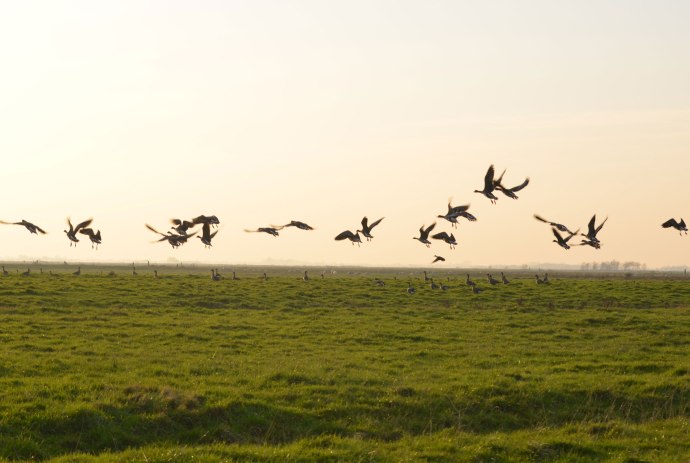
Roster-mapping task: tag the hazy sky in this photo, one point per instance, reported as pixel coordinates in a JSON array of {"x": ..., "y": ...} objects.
[{"x": 261, "y": 112}]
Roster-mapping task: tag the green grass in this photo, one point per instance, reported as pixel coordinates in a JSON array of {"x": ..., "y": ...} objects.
[{"x": 103, "y": 368}]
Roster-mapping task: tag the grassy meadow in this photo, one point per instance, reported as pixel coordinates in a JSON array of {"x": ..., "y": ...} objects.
[{"x": 114, "y": 367}]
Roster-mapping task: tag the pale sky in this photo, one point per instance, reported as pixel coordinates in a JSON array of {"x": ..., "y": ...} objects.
[{"x": 261, "y": 112}]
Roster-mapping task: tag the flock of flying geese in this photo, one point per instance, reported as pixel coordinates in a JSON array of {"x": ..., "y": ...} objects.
[{"x": 181, "y": 230}]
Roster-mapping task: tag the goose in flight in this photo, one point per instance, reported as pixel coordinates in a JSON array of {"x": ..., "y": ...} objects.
[
  {"x": 509, "y": 192},
  {"x": 174, "y": 240},
  {"x": 489, "y": 185},
  {"x": 562, "y": 242},
  {"x": 95, "y": 237},
  {"x": 348, "y": 235},
  {"x": 273, "y": 231},
  {"x": 680, "y": 226},
  {"x": 594, "y": 244},
  {"x": 424, "y": 234},
  {"x": 202, "y": 219},
  {"x": 438, "y": 259},
  {"x": 206, "y": 235},
  {"x": 72, "y": 232},
  {"x": 181, "y": 226},
  {"x": 298, "y": 224},
  {"x": 592, "y": 230},
  {"x": 367, "y": 227},
  {"x": 558, "y": 226},
  {"x": 29, "y": 226},
  {"x": 448, "y": 239},
  {"x": 461, "y": 211}
]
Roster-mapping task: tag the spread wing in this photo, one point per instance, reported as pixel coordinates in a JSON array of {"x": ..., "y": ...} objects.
[
  {"x": 521, "y": 186},
  {"x": 347, "y": 234},
  {"x": 669, "y": 223},
  {"x": 85, "y": 223},
  {"x": 372, "y": 225},
  {"x": 440, "y": 236},
  {"x": 489, "y": 179},
  {"x": 601, "y": 225}
]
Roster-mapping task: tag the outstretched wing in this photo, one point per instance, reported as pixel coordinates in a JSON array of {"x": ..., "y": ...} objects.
[
  {"x": 85, "y": 223},
  {"x": 669, "y": 223},
  {"x": 600, "y": 225},
  {"x": 557, "y": 235},
  {"x": 521, "y": 186},
  {"x": 40, "y": 230},
  {"x": 440, "y": 236},
  {"x": 155, "y": 231},
  {"x": 489, "y": 179},
  {"x": 344, "y": 235},
  {"x": 364, "y": 223},
  {"x": 541, "y": 219},
  {"x": 571, "y": 235},
  {"x": 458, "y": 209},
  {"x": 372, "y": 225},
  {"x": 429, "y": 228}
]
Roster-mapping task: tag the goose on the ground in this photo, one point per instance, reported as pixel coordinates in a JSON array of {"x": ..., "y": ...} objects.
[
  {"x": 546, "y": 278},
  {"x": 348, "y": 235},
  {"x": 426, "y": 277},
  {"x": 305, "y": 277},
  {"x": 214, "y": 275},
  {"x": 367, "y": 227},
  {"x": 34, "y": 229},
  {"x": 476, "y": 289},
  {"x": 558, "y": 226},
  {"x": 72, "y": 232},
  {"x": 539, "y": 280},
  {"x": 77, "y": 272},
  {"x": 433, "y": 285},
  {"x": 234, "y": 276},
  {"x": 680, "y": 226},
  {"x": 504, "y": 279},
  {"x": 492, "y": 281},
  {"x": 410, "y": 289},
  {"x": 27, "y": 273},
  {"x": 424, "y": 234},
  {"x": 489, "y": 185},
  {"x": 469, "y": 282}
]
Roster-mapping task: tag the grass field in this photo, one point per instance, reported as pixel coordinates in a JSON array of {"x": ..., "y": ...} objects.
[{"x": 104, "y": 368}]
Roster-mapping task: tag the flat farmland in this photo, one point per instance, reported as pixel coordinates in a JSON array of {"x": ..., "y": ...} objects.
[{"x": 107, "y": 367}]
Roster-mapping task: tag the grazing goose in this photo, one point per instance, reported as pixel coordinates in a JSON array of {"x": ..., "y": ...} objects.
[
  {"x": 29, "y": 226},
  {"x": 181, "y": 226},
  {"x": 438, "y": 259},
  {"x": 469, "y": 282},
  {"x": 72, "y": 232},
  {"x": 348, "y": 235},
  {"x": 366, "y": 228},
  {"x": 433, "y": 285},
  {"x": 174, "y": 240},
  {"x": 562, "y": 242},
  {"x": 95, "y": 237},
  {"x": 592, "y": 230},
  {"x": 444, "y": 287},
  {"x": 539, "y": 280},
  {"x": 509, "y": 192},
  {"x": 446, "y": 238},
  {"x": 298, "y": 224},
  {"x": 504, "y": 279},
  {"x": 379, "y": 282},
  {"x": 492, "y": 281},
  {"x": 410, "y": 289},
  {"x": 273, "y": 231},
  {"x": 558, "y": 226},
  {"x": 476, "y": 289},
  {"x": 489, "y": 185},
  {"x": 424, "y": 234},
  {"x": 680, "y": 226},
  {"x": 206, "y": 235}
]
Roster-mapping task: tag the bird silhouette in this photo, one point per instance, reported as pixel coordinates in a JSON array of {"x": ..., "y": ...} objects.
[
  {"x": 509, "y": 192},
  {"x": 95, "y": 237},
  {"x": 206, "y": 235},
  {"x": 348, "y": 235},
  {"x": 181, "y": 226},
  {"x": 34, "y": 229},
  {"x": 298, "y": 224},
  {"x": 446, "y": 238},
  {"x": 556, "y": 225},
  {"x": 72, "y": 232},
  {"x": 438, "y": 259},
  {"x": 273, "y": 231},
  {"x": 562, "y": 242},
  {"x": 366, "y": 228},
  {"x": 424, "y": 234},
  {"x": 489, "y": 185},
  {"x": 592, "y": 231},
  {"x": 680, "y": 226},
  {"x": 173, "y": 239}
]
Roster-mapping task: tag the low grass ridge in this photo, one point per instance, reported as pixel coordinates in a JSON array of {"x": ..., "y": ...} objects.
[{"x": 181, "y": 368}]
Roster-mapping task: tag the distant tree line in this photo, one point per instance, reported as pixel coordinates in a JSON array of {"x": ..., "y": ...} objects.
[{"x": 613, "y": 266}]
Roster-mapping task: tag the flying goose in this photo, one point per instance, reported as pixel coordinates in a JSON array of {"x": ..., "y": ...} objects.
[
  {"x": 489, "y": 185},
  {"x": 559, "y": 226},
  {"x": 461, "y": 211},
  {"x": 202, "y": 219},
  {"x": 181, "y": 226},
  {"x": 509, "y": 192},
  {"x": 446, "y": 238},
  {"x": 424, "y": 234},
  {"x": 95, "y": 237},
  {"x": 594, "y": 244},
  {"x": 562, "y": 242},
  {"x": 366, "y": 228},
  {"x": 680, "y": 226},
  {"x": 592, "y": 230},
  {"x": 438, "y": 259},
  {"x": 206, "y": 235},
  {"x": 174, "y": 240},
  {"x": 348, "y": 235},
  {"x": 72, "y": 232},
  {"x": 298, "y": 224},
  {"x": 29, "y": 226},
  {"x": 273, "y": 231}
]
